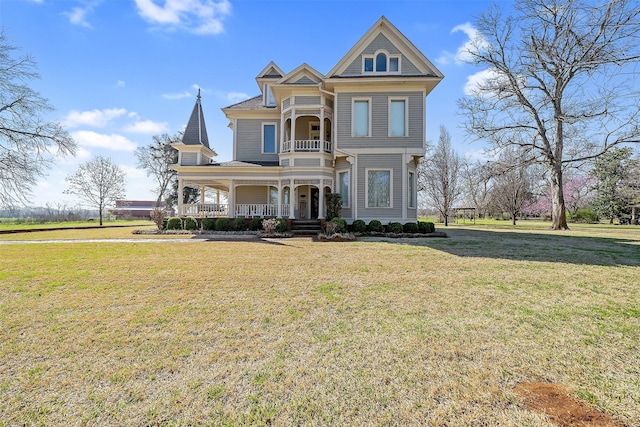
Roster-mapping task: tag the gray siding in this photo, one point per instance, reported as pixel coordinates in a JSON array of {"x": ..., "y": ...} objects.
[
  {"x": 249, "y": 140},
  {"x": 306, "y": 162},
  {"x": 380, "y": 161},
  {"x": 189, "y": 159},
  {"x": 381, "y": 42},
  {"x": 380, "y": 121},
  {"x": 251, "y": 194},
  {"x": 305, "y": 80},
  {"x": 307, "y": 100}
]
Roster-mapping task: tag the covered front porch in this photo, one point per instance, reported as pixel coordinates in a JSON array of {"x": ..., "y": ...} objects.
[{"x": 250, "y": 199}]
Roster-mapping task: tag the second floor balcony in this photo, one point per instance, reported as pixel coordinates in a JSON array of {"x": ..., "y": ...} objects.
[{"x": 306, "y": 146}]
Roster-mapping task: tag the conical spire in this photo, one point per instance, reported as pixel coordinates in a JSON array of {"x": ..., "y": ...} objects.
[{"x": 196, "y": 131}]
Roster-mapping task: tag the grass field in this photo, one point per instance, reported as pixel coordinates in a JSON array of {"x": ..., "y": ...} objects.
[{"x": 295, "y": 332}]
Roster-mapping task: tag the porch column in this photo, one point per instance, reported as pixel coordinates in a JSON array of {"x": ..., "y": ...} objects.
[
  {"x": 202, "y": 194},
  {"x": 321, "y": 150},
  {"x": 321, "y": 197},
  {"x": 292, "y": 197},
  {"x": 180, "y": 196},
  {"x": 218, "y": 197},
  {"x": 232, "y": 200},
  {"x": 293, "y": 131},
  {"x": 280, "y": 199}
]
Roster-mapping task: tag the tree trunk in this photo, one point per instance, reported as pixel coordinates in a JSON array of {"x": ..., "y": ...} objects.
[
  {"x": 558, "y": 213},
  {"x": 513, "y": 219}
]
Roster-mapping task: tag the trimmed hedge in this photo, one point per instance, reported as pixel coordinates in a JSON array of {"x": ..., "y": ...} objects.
[
  {"x": 209, "y": 224},
  {"x": 239, "y": 224},
  {"x": 190, "y": 223},
  {"x": 410, "y": 227},
  {"x": 174, "y": 223},
  {"x": 395, "y": 228},
  {"x": 375, "y": 226},
  {"x": 426, "y": 227},
  {"x": 282, "y": 225},
  {"x": 255, "y": 224},
  {"x": 359, "y": 226},
  {"x": 223, "y": 224},
  {"x": 341, "y": 225}
]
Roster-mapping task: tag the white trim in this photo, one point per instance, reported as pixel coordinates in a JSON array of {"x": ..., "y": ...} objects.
[
  {"x": 374, "y": 57},
  {"x": 369, "y": 108},
  {"x": 275, "y": 137},
  {"x": 366, "y": 185},
  {"x": 265, "y": 96},
  {"x": 405, "y": 99},
  {"x": 413, "y": 195}
]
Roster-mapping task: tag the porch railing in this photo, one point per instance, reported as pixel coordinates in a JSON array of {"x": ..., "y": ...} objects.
[
  {"x": 212, "y": 210},
  {"x": 306, "y": 146}
]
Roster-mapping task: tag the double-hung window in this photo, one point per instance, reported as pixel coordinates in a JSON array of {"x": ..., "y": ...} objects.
[
  {"x": 269, "y": 138},
  {"x": 343, "y": 187},
  {"x": 379, "y": 188},
  {"x": 398, "y": 117},
  {"x": 361, "y": 117}
]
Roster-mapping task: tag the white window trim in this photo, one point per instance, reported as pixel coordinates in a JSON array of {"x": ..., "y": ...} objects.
[
  {"x": 353, "y": 128},
  {"x": 348, "y": 172},
  {"x": 275, "y": 136},
  {"x": 267, "y": 89},
  {"x": 406, "y": 116},
  {"x": 389, "y": 57},
  {"x": 410, "y": 196},
  {"x": 366, "y": 184}
]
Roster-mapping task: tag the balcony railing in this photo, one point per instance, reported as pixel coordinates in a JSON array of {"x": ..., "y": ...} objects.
[
  {"x": 307, "y": 146},
  {"x": 212, "y": 210}
]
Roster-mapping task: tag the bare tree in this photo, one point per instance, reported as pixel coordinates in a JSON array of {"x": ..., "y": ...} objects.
[
  {"x": 476, "y": 183},
  {"x": 559, "y": 82},
  {"x": 156, "y": 158},
  {"x": 28, "y": 142},
  {"x": 512, "y": 183},
  {"x": 438, "y": 175},
  {"x": 97, "y": 182}
]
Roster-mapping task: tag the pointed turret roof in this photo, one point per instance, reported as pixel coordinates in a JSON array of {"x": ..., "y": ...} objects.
[{"x": 196, "y": 131}]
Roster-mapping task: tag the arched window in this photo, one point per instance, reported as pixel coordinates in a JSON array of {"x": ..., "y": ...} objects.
[{"x": 381, "y": 62}]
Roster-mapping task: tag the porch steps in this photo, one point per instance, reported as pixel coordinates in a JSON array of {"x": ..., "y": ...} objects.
[{"x": 305, "y": 227}]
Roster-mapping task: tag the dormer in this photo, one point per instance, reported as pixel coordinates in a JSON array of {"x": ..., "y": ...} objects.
[
  {"x": 194, "y": 148},
  {"x": 265, "y": 80}
]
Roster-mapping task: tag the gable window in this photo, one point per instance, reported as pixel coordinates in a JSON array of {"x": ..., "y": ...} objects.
[
  {"x": 412, "y": 190},
  {"x": 343, "y": 187},
  {"x": 269, "y": 138},
  {"x": 381, "y": 62},
  {"x": 397, "y": 117},
  {"x": 378, "y": 188},
  {"x": 361, "y": 119},
  {"x": 269, "y": 100}
]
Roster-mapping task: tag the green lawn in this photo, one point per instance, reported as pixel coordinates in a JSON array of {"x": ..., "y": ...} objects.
[
  {"x": 16, "y": 224},
  {"x": 294, "y": 332}
]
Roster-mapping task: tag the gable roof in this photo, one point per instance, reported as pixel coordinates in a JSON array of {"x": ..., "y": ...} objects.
[
  {"x": 196, "y": 132},
  {"x": 270, "y": 71},
  {"x": 303, "y": 74},
  {"x": 404, "y": 45}
]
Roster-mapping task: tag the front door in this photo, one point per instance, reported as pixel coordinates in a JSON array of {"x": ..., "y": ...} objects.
[{"x": 315, "y": 193}]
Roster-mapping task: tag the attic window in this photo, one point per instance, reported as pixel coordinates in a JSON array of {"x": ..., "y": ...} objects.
[
  {"x": 269, "y": 100},
  {"x": 381, "y": 62}
]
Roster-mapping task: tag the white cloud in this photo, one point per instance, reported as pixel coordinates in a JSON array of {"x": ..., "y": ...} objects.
[
  {"x": 87, "y": 138},
  {"x": 474, "y": 41},
  {"x": 147, "y": 127},
  {"x": 94, "y": 118},
  {"x": 198, "y": 16},
  {"x": 173, "y": 96},
  {"x": 120, "y": 83},
  {"x": 475, "y": 81}
]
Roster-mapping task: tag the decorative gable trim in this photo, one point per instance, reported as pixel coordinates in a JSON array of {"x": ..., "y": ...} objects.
[{"x": 303, "y": 74}]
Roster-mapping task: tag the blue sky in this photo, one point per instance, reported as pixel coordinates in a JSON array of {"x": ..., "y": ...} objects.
[{"x": 120, "y": 71}]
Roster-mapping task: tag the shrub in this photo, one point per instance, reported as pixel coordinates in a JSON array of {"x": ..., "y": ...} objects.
[
  {"x": 395, "y": 228},
  {"x": 341, "y": 225},
  {"x": 334, "y": 205},
  {"x": 190, "y": 223},
  {"x": 209, "y": 224},
  {"x": 359, "y": 226},
  {"x": 255, "y": 224},
  {"x": 426, "y": 227},
  {"x": 270, "y": 225},
  {"x": 174, "y": 223},
  {"x": 282, "y": 225},
  {"x": 157, "y": 216},
  {"x": 584, "y": 216},
  {"x": 410, "y": 227},
  {"x": 165, "y": 220},
  {"x": 223, "y": 224},
  {"x": 240, "y": 224},
  {"x": 375, "y": 226},
  {"x": 330, "y": 228}
]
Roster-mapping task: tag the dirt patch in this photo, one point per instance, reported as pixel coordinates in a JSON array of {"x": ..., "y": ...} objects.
[{"x": 554, "y": 401}]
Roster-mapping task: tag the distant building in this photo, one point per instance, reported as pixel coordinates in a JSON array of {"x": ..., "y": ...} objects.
[{"x": 137, "y": 209}]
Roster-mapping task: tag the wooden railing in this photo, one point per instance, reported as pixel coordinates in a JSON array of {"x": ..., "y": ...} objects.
[
  {"x": 306, "y": 146},
  {"x": 212, "y": 210}
]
